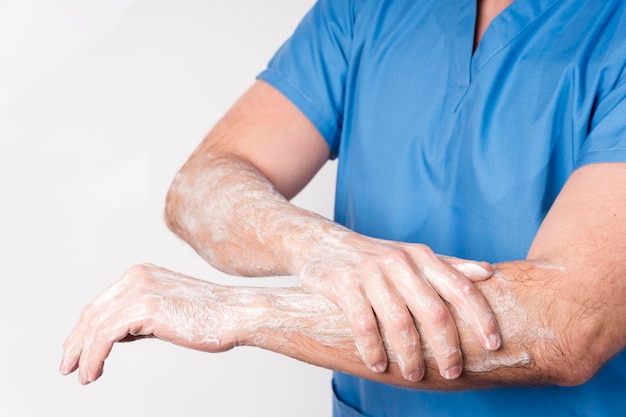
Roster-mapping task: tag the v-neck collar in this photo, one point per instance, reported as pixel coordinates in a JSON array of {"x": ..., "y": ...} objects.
[{"x": 505, "y": 27}]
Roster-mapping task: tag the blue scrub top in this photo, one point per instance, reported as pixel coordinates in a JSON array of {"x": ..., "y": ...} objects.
[{"x": 462, "y": 150}]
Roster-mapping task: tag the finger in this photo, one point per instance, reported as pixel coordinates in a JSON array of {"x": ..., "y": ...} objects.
[
  {"x": 91, "y": 365},
  {"x": 72, "y": 347},
  {"x": 467, "y": 299},
  {"x": 399, "y": 329},
  {"x": 91, "y": 361},
  {"x": 71, "y": 353},
  {"x": 439, "y": 329},
  {"x": 364, "y": 327},
  {"x": 98, "y": 347},
  {"x": 473, "y": 270}
]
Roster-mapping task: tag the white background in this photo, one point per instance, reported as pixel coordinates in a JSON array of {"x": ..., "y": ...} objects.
[{"x": 100, "y": 104}]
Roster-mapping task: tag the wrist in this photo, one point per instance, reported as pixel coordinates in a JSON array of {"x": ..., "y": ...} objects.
[
  {"x": 322, "y": 245},
  {"x": 272, "y": 319},
  {"x": 248, "y": 314}
]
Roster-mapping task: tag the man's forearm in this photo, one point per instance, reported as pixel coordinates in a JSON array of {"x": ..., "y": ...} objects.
[
  {"x": 235, "y": 219},
  {"x": 305, "y": 326},
  {"x": 151, "y": 301},
  {"x": 547, "y": 337}
]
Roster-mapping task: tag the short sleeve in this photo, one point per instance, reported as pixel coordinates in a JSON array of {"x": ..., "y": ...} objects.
[
  {"x": 606, "y": 141},
  {"x": 310, "y": 68}
]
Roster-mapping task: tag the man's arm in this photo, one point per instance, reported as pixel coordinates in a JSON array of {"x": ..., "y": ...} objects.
[
  {"x": 584, "y": 238},
  {"x": 561, "y": 311},
  {"x": 562, "y": 314},
  {"x": 230, "y": 203},
  {"x": 149, "y": 301},
  {"x": 569, "y": 293}
]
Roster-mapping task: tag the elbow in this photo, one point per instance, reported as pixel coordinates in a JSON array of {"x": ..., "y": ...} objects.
[
  {"x": 170, "y": 213},
  {"x": 574, "y": 371},
  {"x": 562, "y": 368},
  {"x": 581, "y": 354},
  {"x": 175, "y": 202},
  {"x": 185, "y": 218}
]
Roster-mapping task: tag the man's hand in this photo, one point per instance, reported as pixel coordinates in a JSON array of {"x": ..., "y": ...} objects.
[
  {"x": 388, "y": 283},
  {"x": 148, "y": 301}
]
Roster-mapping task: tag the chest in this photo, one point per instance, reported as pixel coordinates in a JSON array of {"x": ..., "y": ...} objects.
[
  {"x": 433, "y": 129},
  {"x": 426, "y": 89}
]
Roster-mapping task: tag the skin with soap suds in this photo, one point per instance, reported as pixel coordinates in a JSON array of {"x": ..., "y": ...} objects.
[
  {"x": 561, "y": 311},
  {"x": 557, "y": 327},
  {"x": 562, "y": 306},
  {"x": 570, "y": 280},
  {"x": 151, "y": 301},
  {"x": 249, "y": 228}
]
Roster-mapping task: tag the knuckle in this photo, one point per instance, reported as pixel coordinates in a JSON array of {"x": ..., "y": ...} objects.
[
  {"x": 395, "y": 257},
  {"x": 347, "y": 300},
  {"x": 370, "y": 267},
  {"x": 467, "y": 290},
  {"x": 402, "y": 322},
  {"x": 423, "y": 250},
  {"x": 138, "y": 272},
  {"x": 101, "y": 334},
  {"x": 366, "y": 327},
  {"x": 137, "y": 277},
  {"x": 439, "y": 314},
  {"x": 86, "y": 312}
]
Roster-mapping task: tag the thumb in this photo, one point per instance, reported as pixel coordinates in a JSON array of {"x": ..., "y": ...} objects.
[{"x": 474, "y": 270}]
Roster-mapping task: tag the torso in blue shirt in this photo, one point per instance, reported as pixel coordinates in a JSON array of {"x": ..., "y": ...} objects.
[{"x": 464, "y": 151}]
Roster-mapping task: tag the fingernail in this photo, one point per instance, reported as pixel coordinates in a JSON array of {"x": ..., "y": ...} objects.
[
  {"x": 493, "y": 342},
  {"x": 64, "y": 368},
  {"x": 473, "y": 269},
  {"x": 452, "y": 373},
  {"x": 416, "y": 375},
  {"x": 94, "y": 376},
  {"x": 380, "y": 367}
]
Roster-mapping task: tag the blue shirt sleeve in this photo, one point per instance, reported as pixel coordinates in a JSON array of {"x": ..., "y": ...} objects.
[
  {"x": 606, "y": 141},
  {"x": 310, "y": 68}
]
